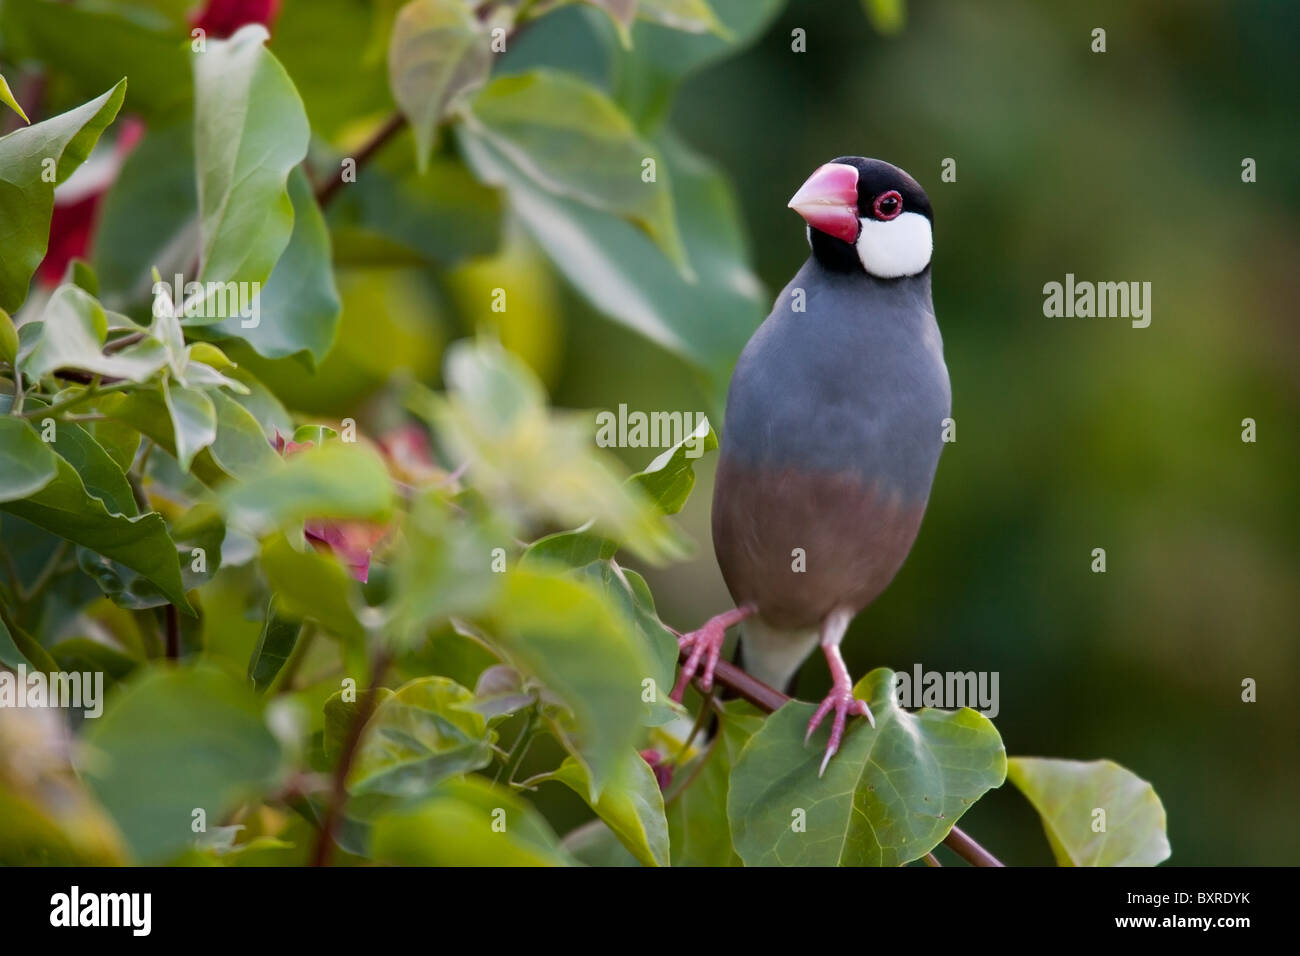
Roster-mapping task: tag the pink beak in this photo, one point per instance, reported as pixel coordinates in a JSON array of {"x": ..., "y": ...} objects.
[{"x": 828, "y": 201}]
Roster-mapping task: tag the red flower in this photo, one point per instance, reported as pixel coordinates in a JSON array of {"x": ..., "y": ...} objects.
[
  {"x": 663, "y": 771},
  {"x": 220, "y": 18},
  {"x": 76, "y": 203},
  {"x": 352, "y": 542}
]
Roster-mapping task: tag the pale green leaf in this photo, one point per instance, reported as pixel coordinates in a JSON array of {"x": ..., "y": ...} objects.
[
  {"x": 438, "y": 52},
  {"x": 1068, "y": 795},
  {"x": 250, "y": 131}
]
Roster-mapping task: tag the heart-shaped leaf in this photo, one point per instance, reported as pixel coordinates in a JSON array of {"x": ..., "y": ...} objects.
[
  {"x": 632, "y": 805},
  {"x": 889, "y": 796}
]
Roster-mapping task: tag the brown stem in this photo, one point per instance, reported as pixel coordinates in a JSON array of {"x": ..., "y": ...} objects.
[
  {"x": 392, "y": 126},
  {"x": 339, "y": 790},
  {"x": 769, "y": 699},
  {"x": 173, "y": 633}
]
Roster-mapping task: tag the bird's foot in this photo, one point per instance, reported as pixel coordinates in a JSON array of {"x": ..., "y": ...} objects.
[
  {"x": 705, "y": 645},
  {"x": 845, "y": 705}
]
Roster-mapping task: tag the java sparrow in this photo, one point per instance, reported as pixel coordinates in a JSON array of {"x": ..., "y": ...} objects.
[{"x": 832, "y": 435}]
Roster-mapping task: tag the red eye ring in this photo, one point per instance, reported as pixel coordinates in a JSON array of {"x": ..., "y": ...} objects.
[{"x": 888, "y": 205}]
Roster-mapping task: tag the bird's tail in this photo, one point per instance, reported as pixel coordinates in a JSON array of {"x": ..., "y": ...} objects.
[{"x": 774, "y": 655}]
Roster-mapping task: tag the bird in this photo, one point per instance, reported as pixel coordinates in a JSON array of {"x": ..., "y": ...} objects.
[{"x": 831, "y": 438}]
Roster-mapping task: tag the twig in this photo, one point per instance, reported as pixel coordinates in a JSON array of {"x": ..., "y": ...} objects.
[
  {"x": 769, "y": 699},
  {"x": 90, "y": 393},
  {"x": 173, "y": 632},
  {"x": 392, "y": 126},
  {"x": 339, "y": 791}
]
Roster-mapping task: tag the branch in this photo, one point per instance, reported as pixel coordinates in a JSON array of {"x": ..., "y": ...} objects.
[
  {"x": 339, "y": 791},
  {"x": 392, "y": 126},
  {"x": 769, "y": 699}
]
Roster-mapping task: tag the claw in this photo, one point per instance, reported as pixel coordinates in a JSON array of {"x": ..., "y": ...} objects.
[
  {"x": 705, "y": 645},
  {"x": 845, "y": 705}
]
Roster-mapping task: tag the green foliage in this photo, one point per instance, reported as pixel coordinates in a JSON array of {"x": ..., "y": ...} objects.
[
  {"x": 889, "y": 796},
  {"x": 289, "y": 610},
  {"x": 27, "y": 190}
]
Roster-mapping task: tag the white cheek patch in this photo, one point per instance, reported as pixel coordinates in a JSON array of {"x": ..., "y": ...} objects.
[{"x": 899, "y": 247}]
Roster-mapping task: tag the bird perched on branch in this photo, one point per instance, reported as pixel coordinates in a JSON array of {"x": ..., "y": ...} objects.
[{"x": 832, "y": 435}]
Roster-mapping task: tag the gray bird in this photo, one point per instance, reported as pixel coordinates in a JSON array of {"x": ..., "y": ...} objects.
[{"x": 832, "y": 434}]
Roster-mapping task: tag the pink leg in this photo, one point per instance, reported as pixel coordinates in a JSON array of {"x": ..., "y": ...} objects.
[
  {"x": 840, "y": 699},
  {"x": 706, "y": 644}
]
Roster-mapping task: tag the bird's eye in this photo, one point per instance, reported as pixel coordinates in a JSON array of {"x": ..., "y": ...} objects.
[{"x": 888, "y": 205}]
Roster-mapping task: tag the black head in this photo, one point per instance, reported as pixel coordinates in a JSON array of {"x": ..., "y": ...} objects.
[{"x": 867, "y": 215}]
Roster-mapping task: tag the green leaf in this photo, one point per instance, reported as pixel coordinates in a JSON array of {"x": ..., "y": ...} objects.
[
  {"x": 573, "y": 549},
  {"x": 568, "y": 636},
  {"x": 307, "y": 584},
  {"x": 71, "y": 333},
  {"x": 467, "y": 822},
  {"x": 275, "y": 644},
  {"x": 7, "y": 98},
  {"x": 174, "y": 742},
  {"x": 250, "y": 131},
  {"x": 495, "y": 419},
  {"x": 64, "y": 507},
  {"x": 568, "y": 139},
  {"x": 335, "y": 480},
  {"x": 101, "y": 475},
  {"x": 26, "y": 463},
  {"x": 423, "y": 734},
  {"x": 629, "y": 592},
  {"x": 670, "y": 478},
  {"x": 1067, "y": 795},
  {"x": 299, "y": 309},
  {"x": 615, "y": 266},
  {"x": 240, "y": 448},
  {"x": 199, "y": 528},
  {"x": 889, "y": 796},
  {"x": 27, "y": 198},
  {"x": 631, "y": 805},
  {"x": 194, "y": 421},
  {"x": 438, "y": 52}
]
